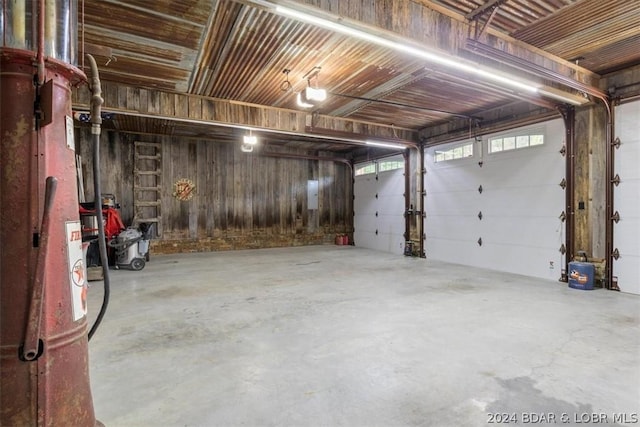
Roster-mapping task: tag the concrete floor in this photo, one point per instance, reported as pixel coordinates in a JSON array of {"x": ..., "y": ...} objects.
[{"x": 341, "y": 336}]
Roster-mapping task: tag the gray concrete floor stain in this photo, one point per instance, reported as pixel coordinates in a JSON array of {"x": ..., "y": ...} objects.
[
  {"x": 540, "y": 409},
  {"x": 341, "y": 336}
]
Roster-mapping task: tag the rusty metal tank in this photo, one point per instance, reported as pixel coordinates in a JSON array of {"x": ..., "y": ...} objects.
[{"x": 43, "y": 322}]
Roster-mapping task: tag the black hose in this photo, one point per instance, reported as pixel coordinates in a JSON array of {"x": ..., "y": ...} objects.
[
  {"x": 122, "y": 248},
  {"x": 96, "y": 121}
]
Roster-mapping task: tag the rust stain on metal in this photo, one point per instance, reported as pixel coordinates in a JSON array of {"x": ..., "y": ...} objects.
[{"x": 13, "y": 140}]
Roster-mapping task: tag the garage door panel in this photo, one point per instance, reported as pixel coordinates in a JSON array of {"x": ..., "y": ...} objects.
[
  {"x": 449, "y": 178},
  {"x": 365, "y": 240},
  {"x": 390, "y": 241},
  {"x": 525, "y": 201},
  {"x": 365, "y": 187},
  {"x": 627, "y": 159},
  {"x": 394, "y": 221},
  {"x": 628, "y": 192},
  {"x": 452, "y": 250},
  {"x": 521, "y": 202},
  {"x": 626, "y": 268},
  {"x": 627, "y": 121},
  {"x": 390, "y": 182},
  {"x": 460, "y": 228},
  {"x": 391, "y": 205},
  {"x": 626, "y": 233},
  {"x": 453, "y": 203},
  {"x": 537, "y": 232},
  {"x": 523, "y": 171},
  {"x": 527, "y": 260},
  {"x": 388, "y": 205},
  {"x": 366, "y": 222},
  {"x": 627, "y": 239}
]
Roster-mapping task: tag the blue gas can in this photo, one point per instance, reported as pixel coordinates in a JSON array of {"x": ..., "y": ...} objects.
[{"x": 581, "y": 275}]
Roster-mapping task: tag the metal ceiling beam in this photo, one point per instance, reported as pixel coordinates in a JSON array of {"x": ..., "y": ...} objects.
[{"x": 480, "y": 10}]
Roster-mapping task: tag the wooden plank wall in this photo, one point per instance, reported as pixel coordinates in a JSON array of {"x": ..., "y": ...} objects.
[{"x": 242, "y": 200}]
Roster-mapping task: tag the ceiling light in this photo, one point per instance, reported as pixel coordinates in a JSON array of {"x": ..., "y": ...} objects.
[
  {"x": 386, "y": 145},
  {"x": 312, "y": 94},
  {"x": 250, "y": 139},
  {"x": 301, "y": 102},
  {"x": 246, "y": 148}
]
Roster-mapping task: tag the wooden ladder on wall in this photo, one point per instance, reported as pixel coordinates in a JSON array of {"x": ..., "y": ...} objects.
[{"x": 147, "y": 185}]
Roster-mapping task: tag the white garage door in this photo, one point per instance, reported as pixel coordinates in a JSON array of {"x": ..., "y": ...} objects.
[
  {"x": 379, "y": 211},
  {"x": 505, "y": 214},
  {"x": 626, "y": 233}
]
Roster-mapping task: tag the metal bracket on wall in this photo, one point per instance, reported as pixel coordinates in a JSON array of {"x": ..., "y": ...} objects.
[
  {"x": 616, "y": 143},
  {"x": 616, "y": 254},
  {"x": 376, "y": 194},
  {"x": 480, "y": 215},
  {"x": 563, "y": 150},
  {"x": 376, "y": 232},
  {"x": 616, "y": 180},
  {"x": 616, "y": 217},
  {"x": 563, "y": 249},
  {"x": 480, "y": 189},
  {"x": 563, "y": 216},
  {"x": 563, "y": 183},
  {"x": 376, "y": 213},
  {"x": 480, "y": 241}
]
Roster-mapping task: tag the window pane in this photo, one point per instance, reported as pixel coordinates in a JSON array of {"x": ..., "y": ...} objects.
[
  {"x": 496, "y": 145},
  {"x": 439, "y": 156},
  {"x": 522, "y": 141},
  {"x": 389, "y": 165},
  {"x": 509, "y": 143},
  {"x": 536, "y": 140},
  {"x": 468, "y": 150},
  {"x": 457, "y": 153},
  {"x": 366, "y": 169}
]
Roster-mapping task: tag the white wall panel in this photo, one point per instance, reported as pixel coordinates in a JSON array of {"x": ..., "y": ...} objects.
[
  {"x": 389, "y": 207},
  {"x": 626, "y": 233},
  {"x": 521, "y": 202}
]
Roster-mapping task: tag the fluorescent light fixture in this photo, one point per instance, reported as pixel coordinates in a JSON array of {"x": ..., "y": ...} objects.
[
  {"x": 386, "y": 145},
  {"x": 450, "y": 62},
  {"x": 447, "y": 61},
  {"x": 301, "y": 102},
  {"x": 246, "y": 148},
  {"x": 250, "y": 139},
  {"x": 562, "y": 96}
]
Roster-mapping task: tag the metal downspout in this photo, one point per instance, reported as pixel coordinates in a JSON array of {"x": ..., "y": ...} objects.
[
  {"x": 422, "y": 172},
  {"x": 407, "y": 196},
  {"x": 610, "y": 172},
  {"x": 569, "y": 115}
]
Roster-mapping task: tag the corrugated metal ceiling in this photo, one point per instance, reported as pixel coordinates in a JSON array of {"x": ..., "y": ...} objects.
[{"x": 232, "y": 50}]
